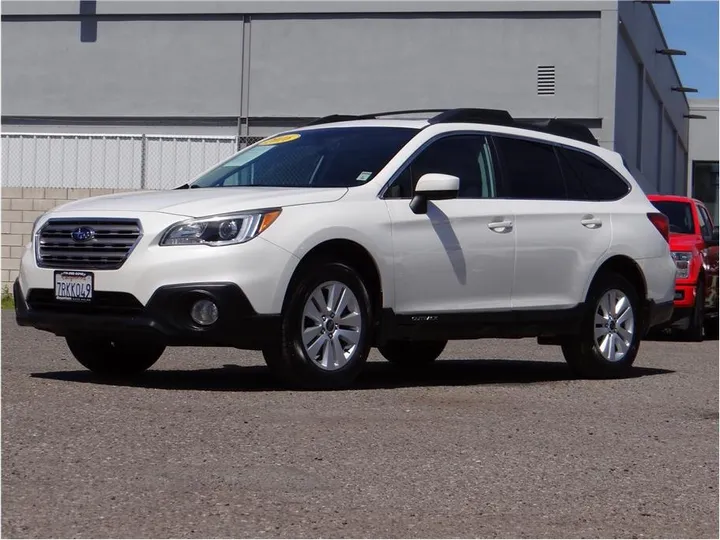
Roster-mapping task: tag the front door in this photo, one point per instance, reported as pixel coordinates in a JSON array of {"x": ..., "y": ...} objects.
[{"x": 459, "y": 257}]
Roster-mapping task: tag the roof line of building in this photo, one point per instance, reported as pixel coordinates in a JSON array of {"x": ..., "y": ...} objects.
[{"x": 259, "y": 7}]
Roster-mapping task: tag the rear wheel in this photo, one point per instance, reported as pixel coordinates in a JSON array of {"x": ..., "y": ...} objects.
[
  {"x": 114, "y": 358},
  {"x": 325, "y": 337},
  {"x": 609, "y": 337},
  {"x": 412, "y": 353}
]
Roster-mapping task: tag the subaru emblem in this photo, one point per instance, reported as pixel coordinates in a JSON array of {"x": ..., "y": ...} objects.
[{"x": 83, "y": 234}]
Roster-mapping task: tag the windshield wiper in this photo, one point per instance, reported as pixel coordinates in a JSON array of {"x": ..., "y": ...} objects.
[{"x": 187, "y": 186}]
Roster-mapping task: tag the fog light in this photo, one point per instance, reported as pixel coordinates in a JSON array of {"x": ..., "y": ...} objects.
[{"x": 204, "y": 312}]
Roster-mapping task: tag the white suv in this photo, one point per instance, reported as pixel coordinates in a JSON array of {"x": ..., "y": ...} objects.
[{"x": 317, "y": 244}]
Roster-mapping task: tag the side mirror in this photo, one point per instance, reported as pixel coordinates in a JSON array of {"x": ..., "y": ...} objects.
[
  {"x": 433, "y": 187},
  {"x": 713, "y": 242}
]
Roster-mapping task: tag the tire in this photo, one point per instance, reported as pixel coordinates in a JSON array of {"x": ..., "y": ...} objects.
[
  {"x": 111, "y": 358},
  {"x": 583, "y": 352},
  {"x": 711, "y": 328},
  {"x": 412, "y": 353},
  {"x": 696, "y": 327},
  {"x": 313, "y": 353}
]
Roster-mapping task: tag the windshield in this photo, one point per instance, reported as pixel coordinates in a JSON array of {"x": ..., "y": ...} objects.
[
  {"x": 679, "y": 214},
  {"x": 332, "y": 157}
]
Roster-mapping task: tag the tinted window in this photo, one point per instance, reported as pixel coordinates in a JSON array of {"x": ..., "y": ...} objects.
[
  {"x": 705, "y": 226},
  {"x": 679, "y": 214},
  {"x": 708, "y": 219},
  {"x": 468, "y": 157},
  {"x": 331, "y": 157},
  {"x": 530, "y": 170},
  {"x": 588, "y": 178}
]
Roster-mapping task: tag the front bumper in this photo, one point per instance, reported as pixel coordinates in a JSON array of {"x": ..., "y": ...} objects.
[
  {"x": 165, "y": 318},
  {"x": 685, "y": 295},
  {"x": 262, "y": 269}
]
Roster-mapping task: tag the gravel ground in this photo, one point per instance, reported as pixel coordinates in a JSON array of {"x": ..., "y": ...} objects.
[{"x": 511, "y": 445}]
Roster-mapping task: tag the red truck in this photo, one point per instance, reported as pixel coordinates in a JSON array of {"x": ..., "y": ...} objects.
[{"x": 694, "y": 246}]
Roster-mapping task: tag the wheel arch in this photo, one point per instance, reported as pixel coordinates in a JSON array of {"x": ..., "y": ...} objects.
[
  {"x": 626, "y": 267},
  {"x": 349, "y": 252}
]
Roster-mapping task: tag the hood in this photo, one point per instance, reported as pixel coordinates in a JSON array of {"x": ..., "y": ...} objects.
[{"x": 205, "y": 201}]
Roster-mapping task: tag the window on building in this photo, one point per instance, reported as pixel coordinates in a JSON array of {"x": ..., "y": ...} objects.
[
  {"x": 705, "y": 185},
  {"x": 530, "y": 170},
  {"x": 468, "y": 157}
]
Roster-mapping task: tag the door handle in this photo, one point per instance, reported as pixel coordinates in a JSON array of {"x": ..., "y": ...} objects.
[
  {"x": 591, "y": 222},
  {"x": 500, "y": 226}
]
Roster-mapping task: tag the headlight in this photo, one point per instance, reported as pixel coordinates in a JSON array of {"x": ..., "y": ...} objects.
[
  {"x": 219, "y": 230},
  {"x": 682, "y": 263},
  {"x": 34, "y": 231}
]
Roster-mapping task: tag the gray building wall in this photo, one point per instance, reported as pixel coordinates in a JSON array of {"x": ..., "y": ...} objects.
[
  {"x": 651, "y": 130},
  {"x": 219, "y": 67},
  {"x": 704, "y": 139}
]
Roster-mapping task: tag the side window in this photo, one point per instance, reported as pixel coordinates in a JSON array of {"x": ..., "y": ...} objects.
[
  {"x": 588, "y": 178},
  {"x": 705, "y": 222},
  {"x": 468, "y": 157},
  {"x": 530, "y": 170}
]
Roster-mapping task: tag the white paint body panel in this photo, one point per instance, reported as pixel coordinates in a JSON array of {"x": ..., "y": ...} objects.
[
  {"x": 448, "y": 260},
  {"x": 555, "y": 251}
]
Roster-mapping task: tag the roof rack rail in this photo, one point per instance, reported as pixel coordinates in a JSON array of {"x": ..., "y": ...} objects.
[
  {"x": 561, "y": 128},
  {"x": 408, "y": 111},
  {"x": 345, "y": 117},
  {"x": 474, "y": 116},
  {"x": 498, "y": 117},
  {"x": 332, "y": 118}
]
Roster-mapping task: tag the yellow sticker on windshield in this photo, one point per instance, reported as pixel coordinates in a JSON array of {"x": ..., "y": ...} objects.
[{"x": 280, "y": 139}]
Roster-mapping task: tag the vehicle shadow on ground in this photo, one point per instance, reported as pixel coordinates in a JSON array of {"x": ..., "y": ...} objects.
[
  {"x": 377, "y": 375},
  {"x": 675, "y": 337}
]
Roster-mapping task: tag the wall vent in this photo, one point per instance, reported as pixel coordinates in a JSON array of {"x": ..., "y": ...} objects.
[{"x": 546, "y": 80}]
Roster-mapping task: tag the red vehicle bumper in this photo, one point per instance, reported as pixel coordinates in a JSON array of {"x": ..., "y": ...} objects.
[{"x": 684, "y": 295}]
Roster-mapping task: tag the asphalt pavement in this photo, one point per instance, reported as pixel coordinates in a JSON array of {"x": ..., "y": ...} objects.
[{"x": 496, "y": 440}]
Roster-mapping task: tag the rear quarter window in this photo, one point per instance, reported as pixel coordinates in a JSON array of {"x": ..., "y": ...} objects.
[{"x": 588, "y": 178}]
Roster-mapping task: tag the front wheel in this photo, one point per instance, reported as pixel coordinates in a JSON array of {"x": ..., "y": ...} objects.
[
  {"x": 325, "y": 336},
  {"x": 114, "y": 358},
  {"x": 609, "y": 337},
  {"x": 412, "y": 353}
]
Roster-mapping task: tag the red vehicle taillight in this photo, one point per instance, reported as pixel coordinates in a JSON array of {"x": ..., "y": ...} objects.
[{"x": 661, "y": 224}]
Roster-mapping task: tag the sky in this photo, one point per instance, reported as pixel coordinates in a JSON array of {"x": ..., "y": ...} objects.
[{"x": 692, "y": 25}]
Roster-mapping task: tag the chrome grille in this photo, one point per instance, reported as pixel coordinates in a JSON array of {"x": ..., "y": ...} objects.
[{"x": 110, "y": 246}]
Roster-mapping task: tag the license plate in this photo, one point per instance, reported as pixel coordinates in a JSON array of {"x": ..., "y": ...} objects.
[{"x": 74, "y": 286}]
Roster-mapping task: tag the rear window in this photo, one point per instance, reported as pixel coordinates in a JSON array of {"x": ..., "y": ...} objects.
[{"x": 679, "y": 214}]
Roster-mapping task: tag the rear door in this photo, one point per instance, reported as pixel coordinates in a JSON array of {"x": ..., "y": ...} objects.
[{"x": 560, "y": 234}]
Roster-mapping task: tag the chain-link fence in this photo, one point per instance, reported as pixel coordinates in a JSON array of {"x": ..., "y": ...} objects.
[{"x": 110, "y": 161}]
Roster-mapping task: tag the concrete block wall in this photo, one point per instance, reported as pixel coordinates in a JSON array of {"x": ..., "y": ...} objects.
[{"x": 20, "y": 208}]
